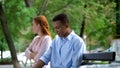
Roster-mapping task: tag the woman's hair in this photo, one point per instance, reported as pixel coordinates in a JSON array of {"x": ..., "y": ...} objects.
[{"x": 42, "y": 21}]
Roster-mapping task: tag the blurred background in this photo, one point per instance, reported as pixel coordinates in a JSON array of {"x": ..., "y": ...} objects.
[{"x": 96, "y": 21}]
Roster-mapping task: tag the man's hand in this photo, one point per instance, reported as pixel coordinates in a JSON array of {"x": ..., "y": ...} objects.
[{"x": 39, "y": 64}]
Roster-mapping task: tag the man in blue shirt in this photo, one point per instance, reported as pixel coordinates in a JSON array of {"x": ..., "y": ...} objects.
[{"x": 66, "y": 49}]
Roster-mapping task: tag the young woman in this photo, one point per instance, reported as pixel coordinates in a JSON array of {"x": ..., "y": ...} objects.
[{"x": 41, "y": 41}]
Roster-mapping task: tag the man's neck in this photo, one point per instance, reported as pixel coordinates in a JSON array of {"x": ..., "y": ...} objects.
[{"x": 67, "y": 33}]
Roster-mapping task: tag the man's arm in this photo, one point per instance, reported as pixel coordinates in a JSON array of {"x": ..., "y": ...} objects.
[
  {"x": 39, "y": 64},
  {"x": 79, "y": 49}
]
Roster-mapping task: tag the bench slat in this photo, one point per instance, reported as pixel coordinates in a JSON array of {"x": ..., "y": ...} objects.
[
  {"x": 100, "y": 56},
  {"x": 103, "y": 56}
]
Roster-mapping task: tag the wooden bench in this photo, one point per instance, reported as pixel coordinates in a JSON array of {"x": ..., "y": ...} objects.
[{"x": 89, "y": 58}]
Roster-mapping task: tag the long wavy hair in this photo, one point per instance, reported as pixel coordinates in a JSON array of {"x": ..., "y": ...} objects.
[{"x": 42, "y": 21}]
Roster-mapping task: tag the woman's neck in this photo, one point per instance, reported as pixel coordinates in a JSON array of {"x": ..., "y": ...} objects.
[{"x": 40, "y": 34}]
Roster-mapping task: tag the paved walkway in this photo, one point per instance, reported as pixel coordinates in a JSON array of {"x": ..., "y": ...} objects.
[
  {"x": 23, "y": 61},
  {"x": 6, "y": 66},
  {"x": 11, "y": 66},
  {"x": 22, "y": 65}
]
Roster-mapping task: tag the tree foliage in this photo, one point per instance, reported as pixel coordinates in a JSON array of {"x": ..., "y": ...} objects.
[{"x": 99, "y": 19}]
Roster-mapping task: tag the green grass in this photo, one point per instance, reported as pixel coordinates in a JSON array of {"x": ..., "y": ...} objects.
[
  {"x": 100, "y": 62},
  {"x": 6, "y": 61}
]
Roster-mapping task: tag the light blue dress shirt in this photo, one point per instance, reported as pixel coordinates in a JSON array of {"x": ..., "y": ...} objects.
[{"x": 65, "y": 52}]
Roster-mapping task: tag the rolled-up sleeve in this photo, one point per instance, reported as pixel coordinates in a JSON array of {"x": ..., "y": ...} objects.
[{"x": 46, "y": 56}]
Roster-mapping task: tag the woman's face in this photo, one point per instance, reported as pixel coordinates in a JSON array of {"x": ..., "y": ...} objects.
[{"x": 35, "y": 27}]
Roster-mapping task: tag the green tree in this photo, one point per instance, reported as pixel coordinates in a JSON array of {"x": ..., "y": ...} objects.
[
  {"x": 99, "y": 19},
  {"x": 8, "y": 37}
]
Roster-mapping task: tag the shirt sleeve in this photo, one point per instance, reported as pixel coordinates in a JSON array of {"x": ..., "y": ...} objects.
[
  {"x": 29, "y": 48},
  {"x": 79, "y": 49},
  {"x": 44, "y": 46},
  {"x": 47, "y": 55},
  {"x": 27, "y": 53}
]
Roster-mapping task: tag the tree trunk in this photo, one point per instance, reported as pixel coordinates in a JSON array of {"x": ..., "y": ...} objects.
[
  {"x": 8, "y": 37},
  {"x": 28, "y": 3},
  {"x": 1, "y": 48},
  {"x": 43, "y": 7},
  {"x": 117, "y": 19},
  {"x": 83, "y": 24},
  {"x": 116, "y": 42},
  {"x": 82, "y": 28}
]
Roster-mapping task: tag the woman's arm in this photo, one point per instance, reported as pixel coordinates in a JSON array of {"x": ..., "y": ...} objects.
[
  {"x": 27, "y": 53},
  {"x": 28, "y": 50},
  {"x": 43, "y": 47}
]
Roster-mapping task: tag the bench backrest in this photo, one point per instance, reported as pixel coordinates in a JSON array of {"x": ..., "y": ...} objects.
[{"x": 100, "y": 56}]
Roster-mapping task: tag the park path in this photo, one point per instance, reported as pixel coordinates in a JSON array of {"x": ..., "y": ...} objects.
[
  {"x": 24, "y": 63},
  {"x": 11, "y": 66}
]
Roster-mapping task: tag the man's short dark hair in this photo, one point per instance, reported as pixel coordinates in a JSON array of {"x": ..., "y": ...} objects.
[{"x": 62, "y": 18}]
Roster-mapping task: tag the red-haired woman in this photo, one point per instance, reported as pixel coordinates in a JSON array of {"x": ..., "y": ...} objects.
[{"x": 42, "y": 41}]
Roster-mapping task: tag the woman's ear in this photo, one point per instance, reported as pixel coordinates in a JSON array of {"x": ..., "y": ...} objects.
[{"x": 38, "y": 25}]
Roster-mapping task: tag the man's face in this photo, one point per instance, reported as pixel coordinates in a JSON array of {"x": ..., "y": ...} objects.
[{"x": 59, "y": 28}]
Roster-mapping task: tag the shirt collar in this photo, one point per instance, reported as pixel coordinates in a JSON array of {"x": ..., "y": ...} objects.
[{"x": 69, "y": 37}]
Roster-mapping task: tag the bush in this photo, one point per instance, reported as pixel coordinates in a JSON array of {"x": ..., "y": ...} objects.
[{"x": 6, "y": 61}]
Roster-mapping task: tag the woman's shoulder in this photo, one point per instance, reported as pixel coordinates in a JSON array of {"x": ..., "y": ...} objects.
[
  {"x": 47, "y": 37},
  {"x": 36, "y": 37}
]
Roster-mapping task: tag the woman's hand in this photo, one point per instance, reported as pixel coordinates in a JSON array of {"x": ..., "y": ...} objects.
[{"x": 32, "y": 55}]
